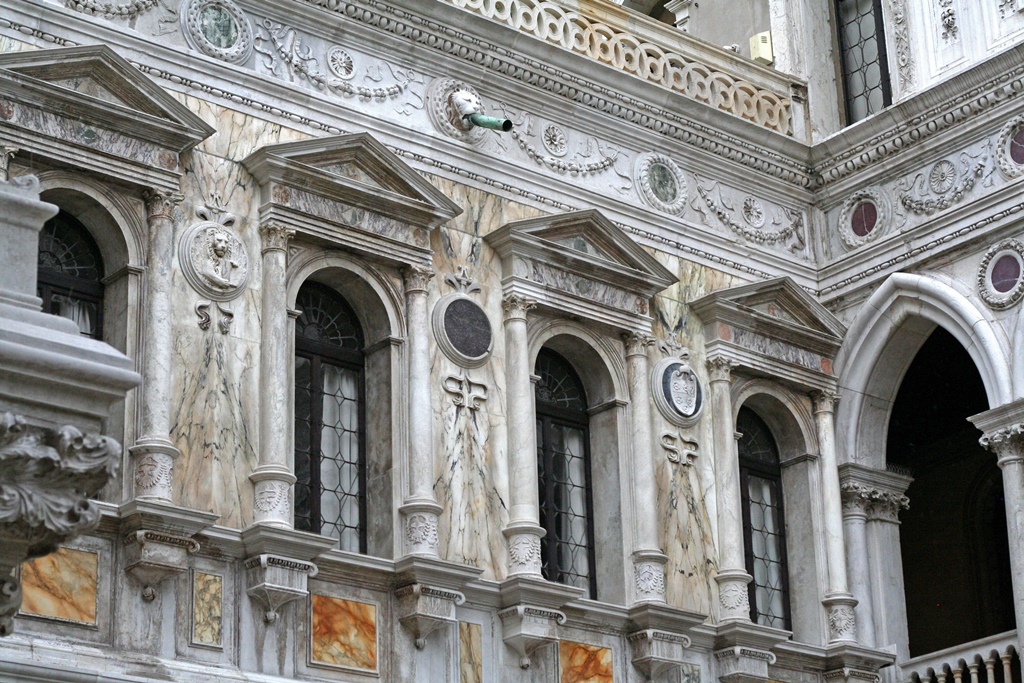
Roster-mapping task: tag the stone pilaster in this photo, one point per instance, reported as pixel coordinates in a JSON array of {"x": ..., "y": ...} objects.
[
  {"x": 523, "y": 532},
  {"x": 856, "y": 499},
  {"x": 273, "y": 477},
  {"x": 420, "y": 510},
  {"x": 648, "y": 558},
  {"x": 154, "y": 453},
  {"x": 732, "y": 578},
  {"x": 839, "y": 603}
]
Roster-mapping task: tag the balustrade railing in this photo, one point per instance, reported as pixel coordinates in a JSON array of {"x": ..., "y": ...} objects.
[
  {"x": 994, "y": 659},
  {"x": 655, "y": 52}
]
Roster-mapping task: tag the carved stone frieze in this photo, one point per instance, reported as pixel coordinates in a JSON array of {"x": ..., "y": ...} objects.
[
  {"x": 47, "y": 477},
  {"x": 218, "y": 29},
  {"x": 555, "y": 141},
  {"x": 748, "y": 219}
]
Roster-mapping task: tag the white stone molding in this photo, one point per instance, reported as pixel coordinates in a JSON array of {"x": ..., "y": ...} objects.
[
  {"x": 947, "y": 18},
  {"x": 154, "y": 453},
  {"x": 677, "y": 390},
  {"x": 986, "y": 289},
  {"x": 234, "y": 47},
  {"x": 424, "y": 609},
  {"x": 110, "y": 10},
  {"x": 681, "y": 11},
  {"x": 661, "y": 182},
  {"x": 464, "y": 286},
  {"x": 623, "y": 50},
  {"x": 47, "y": 477},
  {"x": 883, "y": 217}
]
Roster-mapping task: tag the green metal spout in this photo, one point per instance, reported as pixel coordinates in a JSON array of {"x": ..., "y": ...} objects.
[{"x": 492, "y": 122}]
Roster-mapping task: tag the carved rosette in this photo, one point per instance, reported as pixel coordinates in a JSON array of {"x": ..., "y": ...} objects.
[
  {"x": 421, "y": 533},
  {"x": 516, "y": 307},
  {"x": 46, "y": 479},
  {"x": 160, "y": 204},
  {"x": 523, "y": 553},
  {"x": 417, "y": 278},
  {"x": 275, "y": 237}
]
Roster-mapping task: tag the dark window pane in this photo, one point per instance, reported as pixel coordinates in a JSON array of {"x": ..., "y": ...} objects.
[{"x": 863, "y": 58}]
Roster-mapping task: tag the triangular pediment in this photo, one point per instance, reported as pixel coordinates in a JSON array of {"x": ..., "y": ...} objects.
[
  {"x": 99, "y": 86},
  {"x": 582, "y": 238},
  {"x": 780, "y": 300},
  {"x": 354, "y": 168}
]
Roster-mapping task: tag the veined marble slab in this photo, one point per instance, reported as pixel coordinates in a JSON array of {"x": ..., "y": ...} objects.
[
  {"x": 61, "y": 586},
  {"x": 579, "y": 663},
  {"x": 344, "y": 632}
]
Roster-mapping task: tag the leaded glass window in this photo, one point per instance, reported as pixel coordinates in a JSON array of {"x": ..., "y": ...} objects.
[
  {"x": 70, "y": 274},
  {"x": 330, "y": 467},
  {"x": 563, "y": 463},
  {"x": 864, "y": 63},
  {"x": 764, "y": 535}
]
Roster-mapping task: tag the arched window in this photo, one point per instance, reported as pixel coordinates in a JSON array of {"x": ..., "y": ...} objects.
[
  {"x": 330, "y": 462},
  {"x": 70, "y": 279},
  {"x": 764, "y": 537},
  {"x": 563, "y": 461}
]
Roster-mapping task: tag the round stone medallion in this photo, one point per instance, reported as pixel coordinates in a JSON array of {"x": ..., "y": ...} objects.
[
  {"x": 217, "y": 28},
  {"x": 661, "y": 182},
  {"x": 677, "y": 391},
  {"x": 1017, "y": 147},
  {"x": 462, "y": 330},
  {"x": 863, "y": 217},
  {"x": 1010, "y": 148},
  {"x": 1001, "y": 274}
]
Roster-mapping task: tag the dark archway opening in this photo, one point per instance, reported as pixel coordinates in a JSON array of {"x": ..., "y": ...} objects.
[{"x": 956, "y": 563}]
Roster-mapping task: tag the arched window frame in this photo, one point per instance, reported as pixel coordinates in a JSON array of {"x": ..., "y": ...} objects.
[
  {"x": 80, "y": 252},
  {"x": 550, "y": 417},
  {"x": 320, "y": 353},
  {"x": 752, "y": 427}
]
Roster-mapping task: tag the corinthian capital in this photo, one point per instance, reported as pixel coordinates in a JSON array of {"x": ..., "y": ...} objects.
[
  {"x": 516, "y": 306},
  {"x": 417, "y": 278},
  {"x": 1007, "y": 443},
  {"x": 636, "y": 343},
  {"x": 720, "y": 368},
  {"x": 275, "y": 237},
  {"x": 160, "y": 203},
  {"x": 824, "y": 401}
]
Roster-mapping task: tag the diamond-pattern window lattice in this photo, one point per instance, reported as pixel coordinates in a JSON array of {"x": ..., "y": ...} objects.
[
  {"x": 763, "y": 526},
  {"x": 864, "y": 64},
  {"x": 330, "y": 467}
]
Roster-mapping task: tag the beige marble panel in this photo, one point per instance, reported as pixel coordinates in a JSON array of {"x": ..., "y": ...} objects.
[
  {"x": 344, "y": 632},
  {"x": 238, "y": 135},
  {"x": 207, "y": 605},
  {"x": 579, "y": 663},
  {"x": 61, "y": 585},
  {"x": 471, "y": 653}
]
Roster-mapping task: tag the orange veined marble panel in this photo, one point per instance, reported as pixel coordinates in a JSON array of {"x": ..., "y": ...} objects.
[
  {"x": 207, "y": 601},
  {"x": 344, "y": 632},
  {"x": 581, "y": 663},
  {"x": 471, "y": 653},
  {"x": 61, "y": 585}
]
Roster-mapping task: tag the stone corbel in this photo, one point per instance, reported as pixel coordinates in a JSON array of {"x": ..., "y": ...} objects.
[
  {"x": 525, "y": 628},
  {"x": 158, "y": 538},
  {"x": 739, "y": 664},
  {"x": 424, "y": 609},
  {"x": 654, "y": 652},
  {"x": 275, "y": 581}
]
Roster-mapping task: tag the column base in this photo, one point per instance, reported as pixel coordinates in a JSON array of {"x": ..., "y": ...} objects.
[
  {"x": 733, "y": 598},
  {"x": 421, "y": 518},
  {"x": 842, "y": 620},
  {"x": 649, "y": 576},
  {"x": 272, "y": 502},
  {"x": 153, "y": 469},
  {"x": 523, "y": 541}
]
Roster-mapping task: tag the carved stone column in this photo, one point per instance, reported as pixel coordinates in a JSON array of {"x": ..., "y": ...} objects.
[
  {"x": 856, "y": 499},
  {"x": 839, "y": 604},
  {"x": 648, "y": 559},
  {"x": 7, "y": 153},
  {"x": 888, "y": 591},
  {"x": 732, "y": 575},
  {"x": 420, "y": 509},
  {"x": 1003, "y": 429},
  {"x": 523, "y": 532},
  {"x": 273, "y": 476},
  {"x": 154, "y": 453}
]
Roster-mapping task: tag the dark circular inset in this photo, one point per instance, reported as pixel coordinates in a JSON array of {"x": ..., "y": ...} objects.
[
  {"x": 218, "y": 26},
  {"x": 681, "y": 390},
  {"x": 663, "y": 182},
  {"x": 1017, "y": 147},
  {"x": 468, "y": 328},
  {"x": 1005, "y": 273},
  {"x": 864, "y": 219}
]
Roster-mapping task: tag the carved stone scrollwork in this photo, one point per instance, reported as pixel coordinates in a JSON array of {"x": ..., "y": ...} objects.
[
  {"x": 678, "y": 449},
  {"x": 424, "y": 609},
  {"x": 1007, "y": 443},
  {"x": 516, "y": 307},
  {"x": 46, "y": 479},
  {"x": 901, "y": 34}
]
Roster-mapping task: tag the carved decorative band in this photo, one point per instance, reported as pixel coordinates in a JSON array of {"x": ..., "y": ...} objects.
[
  {"x": 529, "y": 611},
  {"x": 267, "y": 561},
  {"x": 143, "y": 537}
]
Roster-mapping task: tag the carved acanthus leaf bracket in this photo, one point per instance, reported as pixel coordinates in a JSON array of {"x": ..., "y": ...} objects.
[
  {"x": 47, "y": 477},
  {"x": 525, "y": 628},
  {"x": 275, "y": 581},
  {"x": 424, "y": 609}
]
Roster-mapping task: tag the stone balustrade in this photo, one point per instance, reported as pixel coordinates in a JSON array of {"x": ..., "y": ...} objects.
[{"x": 988, "y": 660}]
